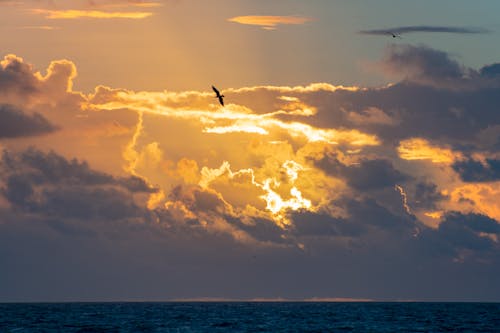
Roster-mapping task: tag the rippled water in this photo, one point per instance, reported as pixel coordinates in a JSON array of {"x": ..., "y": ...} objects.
[{"x": 250, "y": 317}]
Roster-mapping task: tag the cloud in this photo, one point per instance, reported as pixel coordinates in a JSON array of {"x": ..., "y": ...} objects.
[
  {"x": 123, "y": 3},
  {"x": 469, "y": 231},
  {"x": 48, "y": 184},
  {"x": 371, "y": 115},
  {"x": 86, "y": 3},
  {"x": 170, "y": 184},
  {"x": 15, "y": 123},
  {"x": 420, "y": 149},
  {"x": 428, "y": 66},
  {"x": 424, "y": 28},
  {"x": 96, "y": 14},
  {"x": 16, "y": 76},
  {"x": 471, "y": 170},
  {"x": 427, "y": 196},
  {"x": 269, "y": 22},
  {"x": 421, "y": 63},
  {"x": 20, "y": 85},
  {"x": 490, "y": 71},
  {"x": 365, "y": 174}
]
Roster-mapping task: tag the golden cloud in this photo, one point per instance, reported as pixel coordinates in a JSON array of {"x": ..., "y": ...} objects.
[
  {"x": 232, "y": 119},
  {"x": 269, "y": 22},
  {"x": 420, "y": 149},
  {"x": 122, "y": 4},
  {"x": 96, "y": 14},
  {"x": 477, "y": 197},
  {"x": 255, "y": 165}
]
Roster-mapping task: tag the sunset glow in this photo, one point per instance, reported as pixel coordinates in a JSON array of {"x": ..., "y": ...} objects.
[{"x": 341, "y": 162}]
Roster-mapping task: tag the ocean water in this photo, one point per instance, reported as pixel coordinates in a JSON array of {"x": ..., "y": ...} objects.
[{"x": 250, "y": 317}]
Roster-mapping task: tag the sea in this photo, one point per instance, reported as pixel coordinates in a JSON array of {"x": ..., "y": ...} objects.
[{"x": 180, "y": 317}]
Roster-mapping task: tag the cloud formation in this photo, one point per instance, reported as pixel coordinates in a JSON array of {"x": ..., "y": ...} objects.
[
  {"x": 161, "y": 187},
  {"x": 48, "y": 184},
  {"x": 94, "y": 14},
  {"x": 269, "y": 22},
  {"x": 423, "y": 28},
  {"x": 15, "y": 123}
]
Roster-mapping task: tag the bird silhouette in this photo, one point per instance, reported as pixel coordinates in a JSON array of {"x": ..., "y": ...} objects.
[{"x": 218, "y": 95}]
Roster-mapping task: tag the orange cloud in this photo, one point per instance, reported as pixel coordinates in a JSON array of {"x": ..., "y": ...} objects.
[
  {"x": 234, "y": 119},
  {"x": 421, "y": 149},
  {"x": 129, "y": 4},
  {"x": 280, "y": 196},
  {"x": 97, "y": 14},
  {"x": 269, "y": 22},
  {"x": 478, "y": 197}
]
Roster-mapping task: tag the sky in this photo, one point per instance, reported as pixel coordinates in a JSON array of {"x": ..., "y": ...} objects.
[{"x": 356, "y": 156}]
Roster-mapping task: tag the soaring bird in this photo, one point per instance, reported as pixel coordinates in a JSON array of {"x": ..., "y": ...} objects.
[
  {"x": 394, "y": 35},
  {"x": 218, "y": 95}
]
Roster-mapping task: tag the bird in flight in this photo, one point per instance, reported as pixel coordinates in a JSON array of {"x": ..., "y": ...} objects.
[
  {"x": 218, "y": 95},
  {"x": 395, "y": 35}
]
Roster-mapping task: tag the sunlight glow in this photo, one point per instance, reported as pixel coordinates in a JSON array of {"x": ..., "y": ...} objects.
[
  {"x": 235, "y": 119},
  {"x": 421, "y": 149},
  {"x": 404, "y": 198},
  {"x": 276, "y": 204}
]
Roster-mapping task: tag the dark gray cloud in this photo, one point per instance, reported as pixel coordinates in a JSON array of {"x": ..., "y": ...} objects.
[
  {"x": 15, "y": 123},
  {"x": 70, "y": 232},
  {"x": 463, "y": 231},
  {"x": 491, "y": 71},
  {"x": 422, "y": 63},
  {"x": 363, "y": 217},
  {"x": 50, "y": 185},
  {"x": 39, "y": 168},
  {"x": 88, "y": 250},
  {"x": 424, "y": 28},
  {"x": 365, "y": 175},
  {"x": 471, "y": 170},
  {"x": 427, "y": 196},
  {"x": 321, "y": 224},
  {"x": 438, "y": 99},
  {"x": 17, "y": 76}
]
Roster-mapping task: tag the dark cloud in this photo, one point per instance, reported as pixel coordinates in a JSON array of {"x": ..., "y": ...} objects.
[
  {"x": 261, "y": 229},
  {"x": 17, "y": 76},
  {"x": 88, "y": 235},
  {"x": 48, "y": 184},
  {"x": 365, "y": 175},
  {"x": 15, "y": 123},
  {"x": 424, "y": 28},
  {"x": 490, "y": 71},
  {"x": 361, "y": 218},
  {"x": 471, "y": 170},
  {"x": 463, "y": 231},
  {"x": 317, "y": 224},
  {"x": 370, "y": 212},
  {"x": 370, "y": 252},
  {"x": 427, "y": 196},
  {"x": 422, "y": 63},
  {"x": 438, "y": 99},
  {"x": 39, "y": 167},
  {"x": 197, "y": 199}
]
